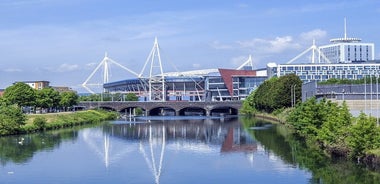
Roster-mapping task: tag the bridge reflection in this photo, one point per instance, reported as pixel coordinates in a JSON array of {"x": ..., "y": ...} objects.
[{"x": 115, "y": 141}]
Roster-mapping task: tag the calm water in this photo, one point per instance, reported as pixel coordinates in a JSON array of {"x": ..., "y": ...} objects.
[{"x": 175, "y": 151}]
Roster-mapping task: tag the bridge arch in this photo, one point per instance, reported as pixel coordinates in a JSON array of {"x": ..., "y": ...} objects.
[
  {"x": 132, "y": 110},
  {"x": 162, "y": 111},
  {"x": 223, "y": 110},
  {"x": 192, "y": 111}
]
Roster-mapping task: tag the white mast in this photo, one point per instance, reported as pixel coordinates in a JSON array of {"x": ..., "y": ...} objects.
[
  {"x": 106, "y": 67},
  {"x": 314, "y": 49},
  {"x": 247, "y": 63},
  {"x": 156, "y": 76}
]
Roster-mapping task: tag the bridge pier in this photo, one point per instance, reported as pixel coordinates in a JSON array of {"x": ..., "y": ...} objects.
[{"x": 208, "y": 112}]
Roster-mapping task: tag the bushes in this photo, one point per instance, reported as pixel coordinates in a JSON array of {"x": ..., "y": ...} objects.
[
  {"x": 11, "y": 119},
  {"x": 40, "y": 122},
  {"x": 332, "y": 127}
]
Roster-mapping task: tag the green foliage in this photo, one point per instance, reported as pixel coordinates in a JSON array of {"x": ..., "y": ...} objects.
[
  {"x": 21, "y": 94},
  {"x": 68, "y": 99},
  {"x": 364, "y": 136},
  {"x": 307, "y": 118},
  {"x": 92, "y": 97},
  {"x": 367, "y": 80},
  {"x": 11, "y": 119},
  {"x": 40, "y": 122},
  {"x": 275, "y": 93},
  {"x": 248, "y": 106},
  {"x": 332, "y": 127},
  {"x": 131, "y": 97},
  {"x": 47, "y": 98}
]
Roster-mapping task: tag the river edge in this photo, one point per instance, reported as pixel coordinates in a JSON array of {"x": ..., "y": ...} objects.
[
  {"x": 371, "y": 160},
  {"x": 54, "y": 121}
]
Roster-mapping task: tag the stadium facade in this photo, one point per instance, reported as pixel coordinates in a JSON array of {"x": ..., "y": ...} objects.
[{"x": 200, "y": 85}]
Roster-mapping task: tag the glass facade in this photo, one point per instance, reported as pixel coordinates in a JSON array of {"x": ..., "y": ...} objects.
[{"x": 322, "y": 72}]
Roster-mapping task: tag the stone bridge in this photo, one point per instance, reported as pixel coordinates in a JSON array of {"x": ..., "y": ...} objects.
[{"x": 175, "y": 107}]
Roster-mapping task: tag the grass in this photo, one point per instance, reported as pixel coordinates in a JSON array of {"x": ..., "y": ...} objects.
[
  {"x": 66, "y": 119},
  {"x": 50, "y": 117}
]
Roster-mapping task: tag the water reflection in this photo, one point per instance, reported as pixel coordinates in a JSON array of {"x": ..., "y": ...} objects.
[
  {"x": 154, "y": 138},
  {"x": 176, "y": 151},
  {"x": 20, "y": 149}
]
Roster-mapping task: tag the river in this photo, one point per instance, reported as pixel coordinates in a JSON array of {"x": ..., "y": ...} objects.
[{"x": 191, "y": 150}]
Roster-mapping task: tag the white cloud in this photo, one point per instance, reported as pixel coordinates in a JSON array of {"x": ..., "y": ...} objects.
[
  {"x": 67, "y": 67},
  {"x": 12, "y": 70},
  {"x": 276, "y": 45},
  {"x": 217, "y": 45},
  {"x": 91, "y": 65},
  {"x": 316, "y": 34}
]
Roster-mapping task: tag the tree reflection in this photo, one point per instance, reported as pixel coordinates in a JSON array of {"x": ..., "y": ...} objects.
[
  {"x": 20, "y": 149},
  {"x": 279, "y": 140}
]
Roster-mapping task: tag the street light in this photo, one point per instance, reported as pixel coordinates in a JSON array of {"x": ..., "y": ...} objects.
[{"x": 293, "y": 94}]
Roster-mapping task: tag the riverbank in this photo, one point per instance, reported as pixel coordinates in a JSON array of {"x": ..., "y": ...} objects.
[
  {"x": 50, "y": 121},
  {"x": 371, "y": 158}
]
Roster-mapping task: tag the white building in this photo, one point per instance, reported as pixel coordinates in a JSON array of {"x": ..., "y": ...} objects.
[
  {"x": 344, "y": 58},
  {"x": 346, "y": 50}
]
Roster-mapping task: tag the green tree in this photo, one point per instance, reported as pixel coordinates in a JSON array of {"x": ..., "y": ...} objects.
[
  {"x": 308, "y": 117},
  {"x": 248, "y": 105},
  {"x": 68, "y": 99},
  {"x": 288, "y": 91},
  {"x": 334, "y": 130},
  {"x": 11, "y": 119},
  {"x": 47, "y": 98},
  {"x": 364, "y": 136},
  {"x": 131, "y": 97},
  {"x": 21, "y": 94}
]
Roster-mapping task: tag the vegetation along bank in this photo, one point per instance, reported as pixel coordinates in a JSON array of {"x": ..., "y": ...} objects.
[
  {"x": 20, "y": 105},
  {"x": 320, "y": 123}
]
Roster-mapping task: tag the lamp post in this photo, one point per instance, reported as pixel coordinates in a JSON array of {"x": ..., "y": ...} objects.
[{"x": 293, "y": 94}]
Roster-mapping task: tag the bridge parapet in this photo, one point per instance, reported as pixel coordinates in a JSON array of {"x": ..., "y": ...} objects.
[{"x": 175, "y": 105}]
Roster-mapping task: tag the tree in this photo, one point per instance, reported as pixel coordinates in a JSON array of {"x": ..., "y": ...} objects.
[
  {"x": 47, "y": 98},
  {"x": 288, "y": 89},
  {"x": 131, "y": 97},
  {"x": 21, "y": 94},
  {"x": 68, "y": 99},
  {"x": 334, "y": 131},
  {"x": 11, "y": 119},
  {"x": 364, "y": 136}
]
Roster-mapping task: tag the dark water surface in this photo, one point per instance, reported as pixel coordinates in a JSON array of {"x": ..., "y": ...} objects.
[{"x": 171, "y": 151}]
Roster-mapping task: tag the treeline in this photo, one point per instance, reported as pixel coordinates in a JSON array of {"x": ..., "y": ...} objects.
[
  {"x": 110, "y": 97},
  {"x": 365, "y": 80},
  {"x": 46, "y": 99},
  {"x": 20, "y": 97},
  {"x": 322, "y": 123}
]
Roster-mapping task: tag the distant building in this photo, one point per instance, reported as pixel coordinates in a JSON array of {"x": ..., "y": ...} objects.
[
  {"x": 38, "y": 85},
  {"x": 344, "y": 58},
  {"x": 1, "y": 92},
  {"x": 61, "y": 89}
]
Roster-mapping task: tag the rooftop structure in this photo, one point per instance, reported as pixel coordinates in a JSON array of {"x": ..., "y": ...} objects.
[
  {"x": 344, "y": 58},
  {"x": 153, "y": 84},
  {"x": 346, "y": 49}
]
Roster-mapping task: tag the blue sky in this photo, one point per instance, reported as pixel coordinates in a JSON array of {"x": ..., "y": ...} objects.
[{"x": 62, "y": 41}]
